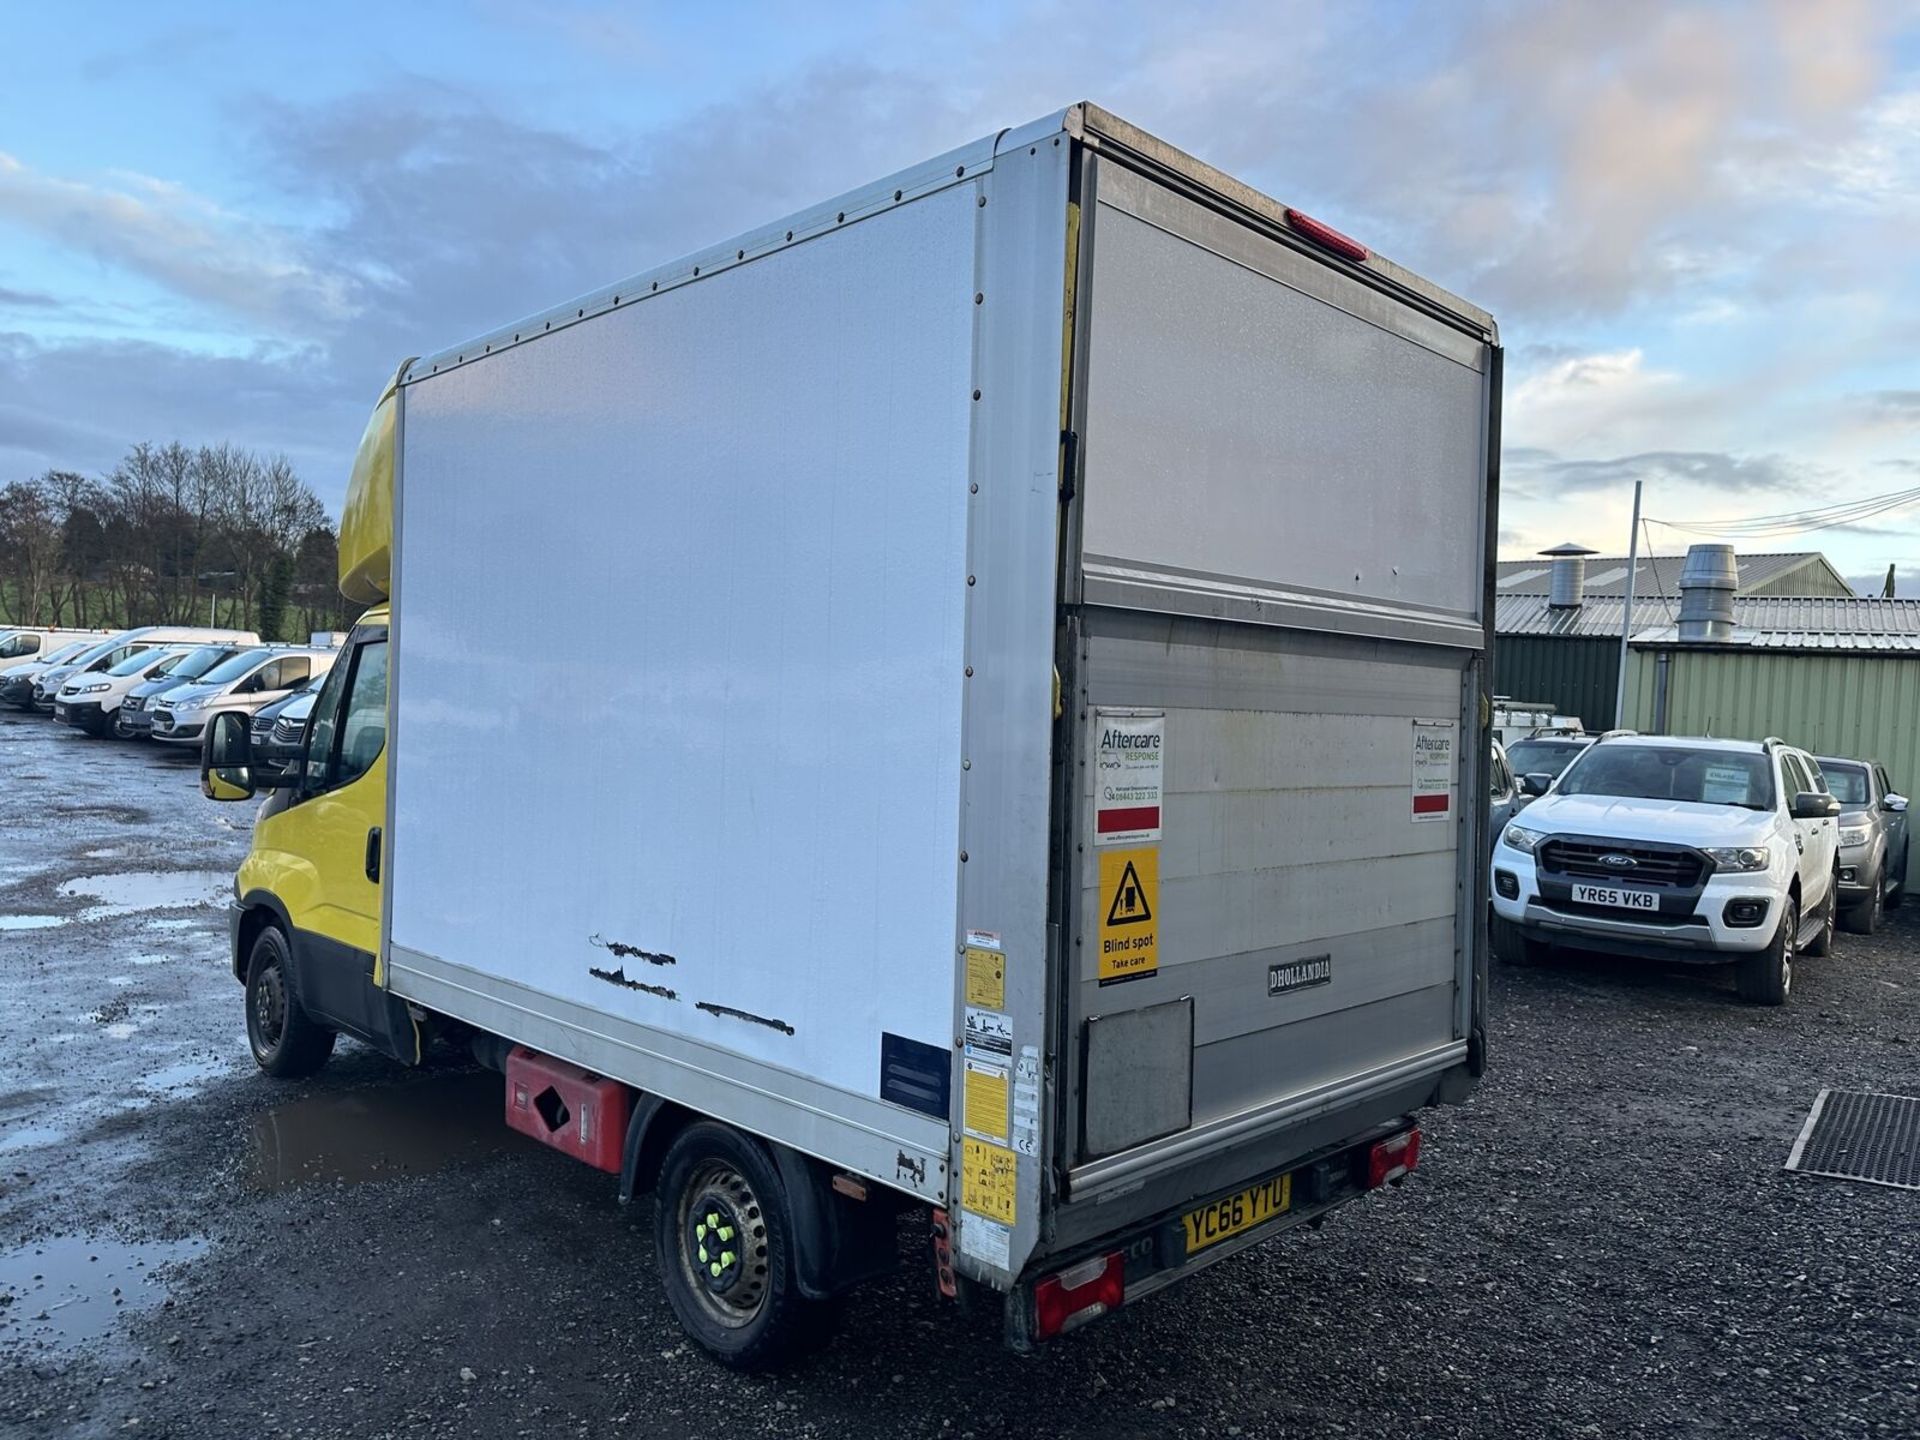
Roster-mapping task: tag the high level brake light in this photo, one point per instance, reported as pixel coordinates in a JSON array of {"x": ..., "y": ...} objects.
[
  {"x": 1325, "y": 236},
  {"x": 1073, "y": 1297},
  {"x": 1393, "y": 1159}
]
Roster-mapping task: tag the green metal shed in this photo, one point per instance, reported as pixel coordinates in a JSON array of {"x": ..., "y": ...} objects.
[{"x": 1837, "y": 676}]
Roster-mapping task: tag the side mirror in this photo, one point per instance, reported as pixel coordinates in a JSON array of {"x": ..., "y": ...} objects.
[
  {"x": 227, "y": 771},
  {"x": 1896, "y": 803},
  {"x": 1535, "y": 784},
  {"x": 1815, "y": 805}
]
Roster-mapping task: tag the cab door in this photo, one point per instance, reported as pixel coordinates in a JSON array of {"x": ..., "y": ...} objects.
[
  {"x": 1818, "y": 839},
  {"x": 1891, "y": 809},
  {"x": 339, "y": 808}
]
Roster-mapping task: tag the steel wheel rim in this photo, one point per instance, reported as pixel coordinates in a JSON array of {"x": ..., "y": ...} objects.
[
  {"x": 717, "y": 1198},
  {"x": 270, "y": 1008}
]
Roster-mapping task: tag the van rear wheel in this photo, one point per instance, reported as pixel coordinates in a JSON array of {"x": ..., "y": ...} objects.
[
  {"x": 286, "y": 1042},
  {"x": 724, "y": 1240}
]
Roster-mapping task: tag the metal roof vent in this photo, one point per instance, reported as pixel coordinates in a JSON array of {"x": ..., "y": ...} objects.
[
  {"x": 1567, "y": 589},
  {"x": 1707, "y": 582}
]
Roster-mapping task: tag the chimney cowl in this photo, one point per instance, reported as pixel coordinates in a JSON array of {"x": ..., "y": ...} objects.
[
  {"x": 1708, "y": 580},
  {"x": 1567, "y": 590}
]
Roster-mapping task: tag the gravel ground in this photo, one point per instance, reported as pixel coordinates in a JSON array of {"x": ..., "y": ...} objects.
[{"x": 1601, "y": 1242}]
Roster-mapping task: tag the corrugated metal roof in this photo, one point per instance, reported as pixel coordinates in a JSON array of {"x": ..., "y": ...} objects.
[
  {"x": 1761, "y": 622},
  {"x": 1656, "y": 574},
  {"x": 1531, "y": 615}
]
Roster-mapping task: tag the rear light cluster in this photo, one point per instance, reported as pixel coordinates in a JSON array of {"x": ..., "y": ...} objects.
[
  {"x": 1073, "y": 1297},
  {"x": 1393, "y": 1159}
]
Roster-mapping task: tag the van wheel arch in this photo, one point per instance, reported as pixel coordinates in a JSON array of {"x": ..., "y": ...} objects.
[
  {"x": 839, "y": 1242},
  {"x": 254, "y": 918}
]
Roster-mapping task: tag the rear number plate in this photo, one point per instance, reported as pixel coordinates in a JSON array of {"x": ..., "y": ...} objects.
[
  {"x": 1223, "y": 1219},
  {"x": 1615, "y": 896}
]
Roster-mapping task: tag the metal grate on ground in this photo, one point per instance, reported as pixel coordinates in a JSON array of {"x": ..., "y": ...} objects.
[{"x": 1860, "y": 1135}]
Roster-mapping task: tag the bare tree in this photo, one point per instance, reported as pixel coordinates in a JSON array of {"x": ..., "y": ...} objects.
[{"x": 164, "y": 533}]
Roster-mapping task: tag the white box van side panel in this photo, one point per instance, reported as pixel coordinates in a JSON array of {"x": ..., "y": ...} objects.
[{"x": 683, "y": 601}]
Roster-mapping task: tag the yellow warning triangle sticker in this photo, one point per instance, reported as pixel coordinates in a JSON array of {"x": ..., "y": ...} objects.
[{"x": 1129, "y": 900}]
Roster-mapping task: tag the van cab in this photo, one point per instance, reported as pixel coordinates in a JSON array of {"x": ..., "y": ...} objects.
[
  {"x": 22, "y": 645},
  {"x": 110, "y": 652},
  {"x": 243, "y": 683},
  {"x": 134, "y": 720},
  {"x": 91, "y": 702},
  {"x": 16, "y": 685}
]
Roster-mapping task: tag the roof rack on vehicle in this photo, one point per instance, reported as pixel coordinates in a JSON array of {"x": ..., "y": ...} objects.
[
  {"x": 1771, "y": 741},
  {"x": 1613, "y": 734}
]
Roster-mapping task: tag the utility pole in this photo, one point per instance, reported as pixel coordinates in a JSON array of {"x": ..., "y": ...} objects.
[{"x": 1626, "y": 616}]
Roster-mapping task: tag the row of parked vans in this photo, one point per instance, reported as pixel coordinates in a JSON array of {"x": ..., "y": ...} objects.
[{"x": 160, "y": 681}]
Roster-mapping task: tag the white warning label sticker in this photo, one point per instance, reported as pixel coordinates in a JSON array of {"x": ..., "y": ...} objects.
[
  {"x": 1129, "y": 765},
  {"x": 1433, "y": 769}
]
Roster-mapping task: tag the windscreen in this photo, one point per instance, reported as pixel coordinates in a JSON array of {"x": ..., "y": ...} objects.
[
  {"x": 1542, "y": 757},
  {"x": 65, "y": 653},
  {"x": 196, "y": 663},
  {"x": 1848, "y": 783},
  {"x": 1664, "y": 772},
  {"x": 233, "y": 669},
  {"x": 133, "y": 664},
  {"x": 95, "y": 651}
]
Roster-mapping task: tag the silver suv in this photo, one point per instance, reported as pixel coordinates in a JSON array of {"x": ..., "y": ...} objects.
[{"x": 1873, "y": 840}]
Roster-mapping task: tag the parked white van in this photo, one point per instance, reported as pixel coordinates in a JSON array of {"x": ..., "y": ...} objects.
[
  {"x": 30, "y": 644},
  {"x": 16, "y": 685},
  {"x": 247, "y": 682},
  {"x": 91, "y": 702},
  {"x": 111, "y": 651}
]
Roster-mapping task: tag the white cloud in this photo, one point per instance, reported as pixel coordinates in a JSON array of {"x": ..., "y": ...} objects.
[
  {"x": 186, "y": 243},
  {"x": 1608, "y": 400}
]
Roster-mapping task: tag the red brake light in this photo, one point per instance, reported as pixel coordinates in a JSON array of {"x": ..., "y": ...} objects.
[
  {"x": 1073, "y": 1297},
  {"x": 1326, "y": 236},
  {"x": 1393, "y": 1159}
]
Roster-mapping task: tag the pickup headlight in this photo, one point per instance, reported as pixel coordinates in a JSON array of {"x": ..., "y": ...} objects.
[
  {"x": 1854, "y": 834},
  {"x": 1741, "y": 857},
  {"x": 1522, "y": 839}
]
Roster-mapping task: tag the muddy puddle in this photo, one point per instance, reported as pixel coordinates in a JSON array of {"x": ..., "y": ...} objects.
[
  {"x": 380, "y": 1133},
  {"x": 134, "y": 892},
  {"x": 31, "y": 922},
  {"x": 73, "y": 1288}
]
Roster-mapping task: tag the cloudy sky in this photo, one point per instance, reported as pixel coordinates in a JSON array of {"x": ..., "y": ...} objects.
[{"x": 1698, "y": 224}]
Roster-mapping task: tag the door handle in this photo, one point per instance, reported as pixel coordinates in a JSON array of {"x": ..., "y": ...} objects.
[{"x": 373, "y": 854}]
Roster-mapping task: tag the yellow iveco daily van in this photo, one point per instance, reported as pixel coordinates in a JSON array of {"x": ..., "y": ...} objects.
[{"x": 306, "y": 918}]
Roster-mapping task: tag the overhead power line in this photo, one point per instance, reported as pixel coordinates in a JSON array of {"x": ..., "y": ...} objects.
[{"x": 1798, "y": 522}]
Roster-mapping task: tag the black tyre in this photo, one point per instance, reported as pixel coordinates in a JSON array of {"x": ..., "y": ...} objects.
[
  {"x": 1766, "y": 976},
  {"x": 1865, "y": 918},
  {"x": 286, "y": 1041},
  {"x": 1822, "y": 944},
  {"x": 1512, "y": 947},
  {"x": 724, "y": 1237},
  {"x": 1897, "y": 888}
]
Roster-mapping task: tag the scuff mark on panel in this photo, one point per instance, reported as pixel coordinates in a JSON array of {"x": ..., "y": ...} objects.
[
  {"x": 632, "y": 952},
  {"x": 909, "y": 1167},
  {"x": 746, "y": 1015},
  {"x": 618, "y": 976}
]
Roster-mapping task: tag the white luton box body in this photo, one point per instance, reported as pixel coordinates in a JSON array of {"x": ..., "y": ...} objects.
[{"x": 1031, "y": 616}]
